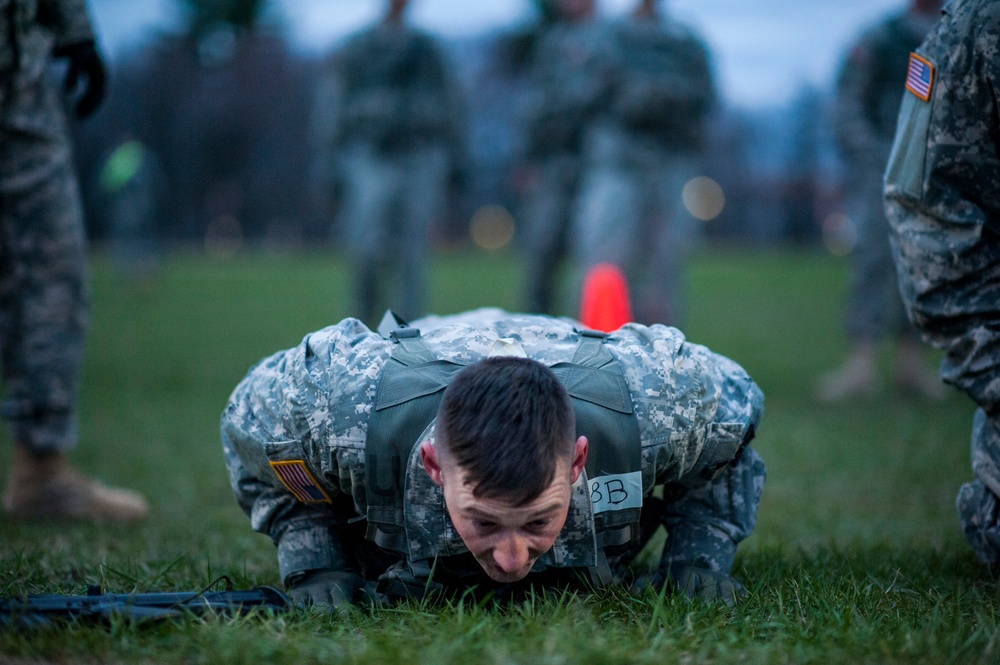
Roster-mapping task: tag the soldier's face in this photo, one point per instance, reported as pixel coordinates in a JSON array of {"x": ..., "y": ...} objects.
[{"x": 507, "y": 539}]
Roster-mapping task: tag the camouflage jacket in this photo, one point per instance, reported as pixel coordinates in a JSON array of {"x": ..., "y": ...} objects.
[
  {"x": 869, "y": 85},
  {"x": 696, "y": 411},
  {"x": 389, "y": 86},
  {"x": 574, "y": 71},
  {"x": 666, "y": 88},
  {"x": 945, "y": 162},
  {"x": 31, "y": 29}
]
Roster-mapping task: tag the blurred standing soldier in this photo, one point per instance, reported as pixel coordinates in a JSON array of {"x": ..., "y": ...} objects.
[
  {"x": 639, "y": 157},
  {"x": 42, "y": 261},
  {"x": 865, "y": 119},
  {"x": 944, "y": 212},
  {"x": 389, "y": 119},
  {"x": 573, "y": 71}
]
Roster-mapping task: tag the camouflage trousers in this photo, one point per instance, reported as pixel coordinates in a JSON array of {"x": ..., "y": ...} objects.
[
  {"x": 874, "y": 308},
  {"x": 43, "y": 307},
  {"x": 949, "y": 275},
  {"x": 543, "y": 223},
  {"x": 630, "y": 212},
  {"x": 390, "y": 202}
]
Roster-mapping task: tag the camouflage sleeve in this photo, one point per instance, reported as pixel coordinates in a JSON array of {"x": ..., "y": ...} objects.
[
  {"x": 706, "y": 522},
  {"x": 714, "y": 506},
  {"x": 282, "y": 411},
  {"x": 853, "y": 121},
  {"x": 68, "y": 20},
  {"x": 306, "y": 535},
  {"x": 324, "y": 124}
]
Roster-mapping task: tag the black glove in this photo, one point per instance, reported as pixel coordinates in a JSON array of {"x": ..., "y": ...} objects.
[
  {"x": 85, "y": 65},
  {"x": 333, "y": 589},
  {"x": 695, "y": 582}
]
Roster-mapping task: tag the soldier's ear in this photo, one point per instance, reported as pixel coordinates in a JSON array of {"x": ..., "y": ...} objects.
[
  {"x": 429, "y": 456},
  {"x": 579, "y": 458}
]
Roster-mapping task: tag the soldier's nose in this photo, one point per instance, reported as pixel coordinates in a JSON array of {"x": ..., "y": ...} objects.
[{"x": 511, "y": 554}]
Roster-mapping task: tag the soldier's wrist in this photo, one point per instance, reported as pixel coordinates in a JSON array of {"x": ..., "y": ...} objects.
[{"x": 700, "y": 545}]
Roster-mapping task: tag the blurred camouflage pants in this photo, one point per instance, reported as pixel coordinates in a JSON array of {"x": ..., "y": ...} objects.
[
  {"x": 630, "y": 212},
  {"x": 42, "y": 268},
  {"x": 544, "y": 224},
  {"x": 390, "y": 203},
  {"x": 949, "y": 276}
]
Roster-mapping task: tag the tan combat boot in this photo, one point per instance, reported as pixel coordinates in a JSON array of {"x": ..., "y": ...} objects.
[
  {"x": 43, "y": 486},
  {"x": 855, "y": 378},
  {"x": 913, "y": 377}
]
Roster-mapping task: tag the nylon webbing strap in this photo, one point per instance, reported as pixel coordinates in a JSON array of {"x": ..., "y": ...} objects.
[
  {"x": 604, "y": 414},
  {"x": 602, "y": 406},
  {"x": 413, "y": 381}
]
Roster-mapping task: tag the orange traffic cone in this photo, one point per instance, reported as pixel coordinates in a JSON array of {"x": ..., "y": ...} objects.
[{"x": 604, "y": 304}]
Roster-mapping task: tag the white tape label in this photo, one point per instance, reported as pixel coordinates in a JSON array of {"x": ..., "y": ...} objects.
[{"x": 616, "y": 492}]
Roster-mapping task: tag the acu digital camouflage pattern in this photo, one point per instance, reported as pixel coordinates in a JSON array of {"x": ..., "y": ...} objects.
[
  {"x": 638, "y": 157},
  {"x": 944, "y": 208},
  {"x": 42, "y": 259},
  {"x": 695, "y": 410},
  {"x": 867, "y": 104}
]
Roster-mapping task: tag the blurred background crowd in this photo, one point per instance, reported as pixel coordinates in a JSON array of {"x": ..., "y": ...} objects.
[{"x": 219, "y": 120}]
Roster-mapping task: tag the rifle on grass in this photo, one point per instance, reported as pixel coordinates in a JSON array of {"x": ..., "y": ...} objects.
[{"x": 35, "y": 611}]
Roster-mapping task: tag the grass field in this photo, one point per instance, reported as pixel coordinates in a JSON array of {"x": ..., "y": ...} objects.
[{"x": 858, "y": 555}]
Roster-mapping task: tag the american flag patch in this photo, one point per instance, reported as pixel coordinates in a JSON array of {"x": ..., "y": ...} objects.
[
  {"x": 294, "y": 475},
  {"x": 920, "y": 77}
]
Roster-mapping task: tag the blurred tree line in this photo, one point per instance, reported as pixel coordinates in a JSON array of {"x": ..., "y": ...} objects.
[{"x": 224, "y": 105}]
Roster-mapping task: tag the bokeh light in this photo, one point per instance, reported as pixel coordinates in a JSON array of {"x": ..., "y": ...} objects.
[
  {"x": 492, "y": 227},
  {"x": 223, "y": 237},
  {"x": 840, "y": 234},
  {"x": 703, "y": 198}
]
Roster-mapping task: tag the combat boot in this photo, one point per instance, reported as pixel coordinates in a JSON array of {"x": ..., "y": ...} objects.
[
  {"x": 913, "y": 377},
  {"x": 856, "y": 378},
  {"x": 44, "y": 486}
]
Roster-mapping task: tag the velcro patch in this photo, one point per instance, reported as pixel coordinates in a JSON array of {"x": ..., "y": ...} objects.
[
  {"x": 920, "y": 77},
  {"x": 294, "y": 475}
]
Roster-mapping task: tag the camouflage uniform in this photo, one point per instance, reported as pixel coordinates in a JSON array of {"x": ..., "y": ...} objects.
[
  {"x": 943, "y": 207},
  {"x": 639, "y": 158},
  {"x": 42, "y": 245},
  {"x": 865, "y": 119},
  {"x": 696, "y": 411},
  {"x": 573, "y": 75},
  {"x": 388, "y": 121}
]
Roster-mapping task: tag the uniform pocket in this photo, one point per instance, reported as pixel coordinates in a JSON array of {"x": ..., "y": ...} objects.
[
  {"x": 283, "y": 451},
  {"x": 905, "y": 170}
]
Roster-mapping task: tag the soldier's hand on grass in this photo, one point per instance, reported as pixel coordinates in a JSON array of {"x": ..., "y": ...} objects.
[
  {"x": 695, "y": 582},
  {"x": 705, "y": 584},
  {"x": 333, "y": 589}
]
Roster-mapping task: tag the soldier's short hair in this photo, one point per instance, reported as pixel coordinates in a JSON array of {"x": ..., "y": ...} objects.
[{"x": 507, "y": 421}]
